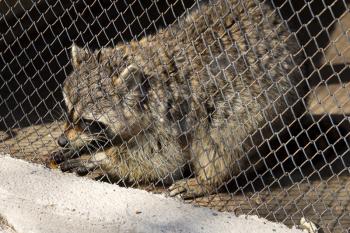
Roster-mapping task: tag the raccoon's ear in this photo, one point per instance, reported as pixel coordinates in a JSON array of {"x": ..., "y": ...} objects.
[
  {"x": 131, "y": 76},
  {"x": 79, "y": 55}
]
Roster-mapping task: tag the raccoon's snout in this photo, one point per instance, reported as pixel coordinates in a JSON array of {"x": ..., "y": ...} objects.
[{"x": 62, "y": 140}]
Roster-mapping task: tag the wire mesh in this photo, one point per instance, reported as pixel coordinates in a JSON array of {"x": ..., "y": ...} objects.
[{"x": 241, "y": 106}]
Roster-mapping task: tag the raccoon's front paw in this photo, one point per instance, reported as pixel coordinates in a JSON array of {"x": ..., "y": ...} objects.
[
  {"x": 189, "y": 188},
  {"x": 62, "y": 155},
  {"x": 78, "y": 166}
]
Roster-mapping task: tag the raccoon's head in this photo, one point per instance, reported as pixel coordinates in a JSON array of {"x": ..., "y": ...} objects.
[{"x": 105, "y": 98}]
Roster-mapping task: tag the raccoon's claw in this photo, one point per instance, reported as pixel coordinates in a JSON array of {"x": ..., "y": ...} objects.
[
  {"x": 187, "y": 188},
  {"x": 70, "y": 165},
  {"x": 61, "y": 156},
  {"x": 78, "y": 166}
]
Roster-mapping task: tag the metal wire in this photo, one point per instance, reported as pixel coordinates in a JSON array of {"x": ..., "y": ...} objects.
[{"x": 294, "y": 161}]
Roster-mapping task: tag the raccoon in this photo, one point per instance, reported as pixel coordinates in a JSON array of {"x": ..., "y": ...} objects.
[{"x": 202, "y": 92}]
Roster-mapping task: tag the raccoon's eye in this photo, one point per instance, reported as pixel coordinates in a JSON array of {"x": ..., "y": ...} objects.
[
  {"x": 96, "y": 126},
  {"x": 91, "y": 126}
]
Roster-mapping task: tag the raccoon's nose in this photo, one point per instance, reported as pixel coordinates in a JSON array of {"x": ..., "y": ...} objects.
[{"x": 62, "y": 141}]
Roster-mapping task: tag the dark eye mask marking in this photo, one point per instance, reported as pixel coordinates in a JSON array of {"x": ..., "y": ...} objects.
[{"x": 91, "y": 126}]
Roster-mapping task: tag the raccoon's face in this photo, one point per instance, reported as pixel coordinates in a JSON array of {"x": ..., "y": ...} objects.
[{"x": 105, "y": 99}]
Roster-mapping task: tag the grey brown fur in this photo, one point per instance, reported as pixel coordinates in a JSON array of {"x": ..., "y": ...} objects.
[{"x": 194, "y": 93}]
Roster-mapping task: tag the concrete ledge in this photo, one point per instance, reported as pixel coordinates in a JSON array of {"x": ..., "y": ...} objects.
[{"x": 36, "y": 199}]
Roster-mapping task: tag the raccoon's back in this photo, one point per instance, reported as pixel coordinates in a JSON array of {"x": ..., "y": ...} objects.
[{"x": 236, "y": 52}]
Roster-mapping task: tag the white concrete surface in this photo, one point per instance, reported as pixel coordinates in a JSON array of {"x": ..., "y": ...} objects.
[{"x": 34, "y": 199}]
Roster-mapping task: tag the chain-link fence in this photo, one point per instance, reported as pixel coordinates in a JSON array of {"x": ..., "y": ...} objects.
[{"x": 241, "y": 106}]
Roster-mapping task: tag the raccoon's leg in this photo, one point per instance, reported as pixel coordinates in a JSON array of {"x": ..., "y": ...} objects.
[
  {"x": 212, "y": 164},
  {"x": 218, "y": 152},
  {"x": 83, "y": 166},
  {"x": 146, "y": 161},
  {"x": 78, "y": 166}
]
